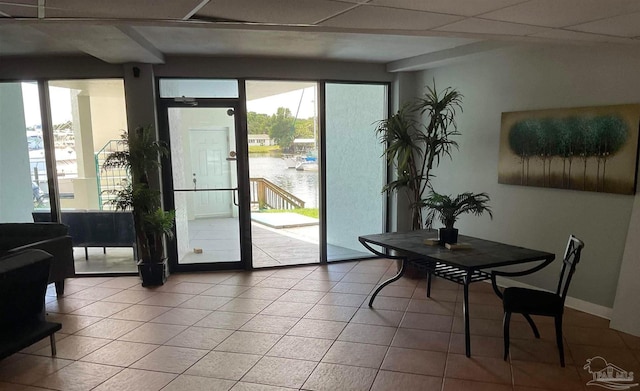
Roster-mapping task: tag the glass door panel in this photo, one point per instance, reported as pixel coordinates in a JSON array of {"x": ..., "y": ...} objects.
[
  {"x": 205, "y": 183},
  {"x": 88, "y": 116},
  {"x": 284, "y": 172},
  {"x": 23, "y": 171},
  {"x": 355, "y": 170}
]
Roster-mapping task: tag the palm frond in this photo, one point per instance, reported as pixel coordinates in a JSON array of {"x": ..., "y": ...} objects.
[
  {"x": 416, "y": 138},
  {"x": 448, "y": 208},
  {"x": 141, "y": 157}
]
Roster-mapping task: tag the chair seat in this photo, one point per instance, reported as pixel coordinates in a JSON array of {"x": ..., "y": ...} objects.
[{"x": 532, "y": 301}]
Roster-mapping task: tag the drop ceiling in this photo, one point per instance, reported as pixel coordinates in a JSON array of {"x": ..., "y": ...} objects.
[{"x": 380, "y": 31}]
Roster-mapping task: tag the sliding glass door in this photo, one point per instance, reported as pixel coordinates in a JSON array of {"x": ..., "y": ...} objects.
[
  {"x": 300, "y": 179},
  {"x": 284, "y": 173}
]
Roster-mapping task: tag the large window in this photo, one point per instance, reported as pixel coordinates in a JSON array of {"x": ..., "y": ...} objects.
[
  {"x": 88, "y": 117},
  {"x": 355, "y": 170}
]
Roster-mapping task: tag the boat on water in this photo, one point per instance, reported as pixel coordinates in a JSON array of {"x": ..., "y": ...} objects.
[
  {"x": 292, "y": 161},
  {"x": 310, "y": 163}
]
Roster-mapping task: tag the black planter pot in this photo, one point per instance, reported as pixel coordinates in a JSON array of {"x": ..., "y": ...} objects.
[
  {"x": 152, "y": 274},
  {"x": 448, "y": 235}
]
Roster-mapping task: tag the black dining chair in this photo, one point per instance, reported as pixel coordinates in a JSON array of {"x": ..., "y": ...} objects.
[{"x": 537, "y": 302}]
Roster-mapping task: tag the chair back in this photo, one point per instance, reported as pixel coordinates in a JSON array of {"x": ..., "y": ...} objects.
[{"x": 569, "y": 263}]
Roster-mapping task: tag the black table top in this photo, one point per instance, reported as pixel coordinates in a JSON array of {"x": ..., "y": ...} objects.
[{"x": 482, "y": 254}]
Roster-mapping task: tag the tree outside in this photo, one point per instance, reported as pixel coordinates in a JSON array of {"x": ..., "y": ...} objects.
[{"x": 282, "y": 127}]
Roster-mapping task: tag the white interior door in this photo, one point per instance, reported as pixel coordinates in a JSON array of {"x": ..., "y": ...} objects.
[{"x": 211, "y": 170}]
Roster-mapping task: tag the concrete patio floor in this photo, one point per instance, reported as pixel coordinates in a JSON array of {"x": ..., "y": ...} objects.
[{"x": 295, "y": 242}]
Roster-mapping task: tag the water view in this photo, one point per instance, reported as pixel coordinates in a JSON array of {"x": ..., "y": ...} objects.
[{"x": 302, "y": 184}]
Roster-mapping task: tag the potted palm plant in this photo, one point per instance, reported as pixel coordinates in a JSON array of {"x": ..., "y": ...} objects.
[
  {"x": 448, "y": 208},
  {"x": 141, "y": 158},
  {"x": 413, "y": 147}
]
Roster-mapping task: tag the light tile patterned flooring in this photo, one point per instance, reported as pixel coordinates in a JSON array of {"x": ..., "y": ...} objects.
[{"x": 304, "y": 328}]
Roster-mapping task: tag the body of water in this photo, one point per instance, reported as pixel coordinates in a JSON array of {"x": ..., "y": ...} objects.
[{"x": 302, "y": 184}]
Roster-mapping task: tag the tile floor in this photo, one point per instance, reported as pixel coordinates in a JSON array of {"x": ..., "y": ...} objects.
[{"x": 306, "y": 328}]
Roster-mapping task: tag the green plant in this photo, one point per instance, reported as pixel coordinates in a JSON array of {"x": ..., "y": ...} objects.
[
  {"x": 414, "y": 148},
  {"x": 448, "y": 208},
  {"x": 309, "y": 212},
  {"x": 141, "y": 158}
]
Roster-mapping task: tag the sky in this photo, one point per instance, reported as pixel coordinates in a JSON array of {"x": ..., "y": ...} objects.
[
  {"x": 290, "y": 100},
  {"x": 60, "y": 104}
]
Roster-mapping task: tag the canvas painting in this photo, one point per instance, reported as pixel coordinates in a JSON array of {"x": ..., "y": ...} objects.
[{"x": 587, "y": 148}]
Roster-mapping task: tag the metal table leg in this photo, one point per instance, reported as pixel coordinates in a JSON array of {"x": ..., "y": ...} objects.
[
  {"x": 389, "y": 281},
  {"x": 465, "y": 310}
]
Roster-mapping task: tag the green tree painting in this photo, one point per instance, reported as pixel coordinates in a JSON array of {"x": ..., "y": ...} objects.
[{"x": 572, "y": 151}]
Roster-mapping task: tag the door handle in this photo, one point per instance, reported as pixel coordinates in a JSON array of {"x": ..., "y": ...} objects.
[{"x": 235, "y": 200}]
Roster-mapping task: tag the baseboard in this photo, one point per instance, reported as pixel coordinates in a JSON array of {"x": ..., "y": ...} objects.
[{"x": 571, "y": 302}]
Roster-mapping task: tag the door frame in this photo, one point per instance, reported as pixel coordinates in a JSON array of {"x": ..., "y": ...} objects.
[{"x": 242, "y": 165}]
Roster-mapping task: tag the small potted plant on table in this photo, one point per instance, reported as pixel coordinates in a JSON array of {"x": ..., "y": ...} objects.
[
  {"x": 141, "y": 158},
  {"x": 448, "y": 208}
]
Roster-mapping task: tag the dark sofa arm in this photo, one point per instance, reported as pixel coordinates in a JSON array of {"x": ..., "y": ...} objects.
[
  {"x": 14, "y": 235},
  {"x": 62, "y": 264}
]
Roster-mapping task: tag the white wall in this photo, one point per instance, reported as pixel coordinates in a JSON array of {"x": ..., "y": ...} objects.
[
  {"x": 529, "y": 78},
  {"x": 626, "y": 308}
]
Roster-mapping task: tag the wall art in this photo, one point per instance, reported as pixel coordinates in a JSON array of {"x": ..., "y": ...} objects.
[{"x": 586, "y": 148}]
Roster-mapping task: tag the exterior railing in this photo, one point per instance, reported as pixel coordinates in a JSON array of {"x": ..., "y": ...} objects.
[{"x": 266, "y": 194}]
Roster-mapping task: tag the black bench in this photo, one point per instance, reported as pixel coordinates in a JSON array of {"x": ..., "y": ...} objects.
[
  {"x": 23, "y": 284},
  {"x": 96, "y": 228}
]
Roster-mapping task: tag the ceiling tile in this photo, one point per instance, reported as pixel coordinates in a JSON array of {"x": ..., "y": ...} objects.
[
  {"x": 122, "y": 9},
  {"x": 556, "y": 13},
  {"x": 622, "y": 26},
  {"x": 384, "y": 18},
  {"x": 482, "y": 26},
  {"x": 455, "y": 7},
  {"x": 273, "y": 11}
]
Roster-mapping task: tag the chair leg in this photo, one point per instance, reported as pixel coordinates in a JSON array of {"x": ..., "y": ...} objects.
[
  {"x": 52, "y": 339},
  {"x": 428, "y": 284},
  {"x": 559, "y": 338},
  {"x": 532, "y": 324},
  {"x": 60, "y": 288},
  {"x": 505, "y": 325}
]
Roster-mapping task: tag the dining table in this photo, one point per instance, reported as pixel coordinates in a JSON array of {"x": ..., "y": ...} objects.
[{"x": 470, "y": 260}]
